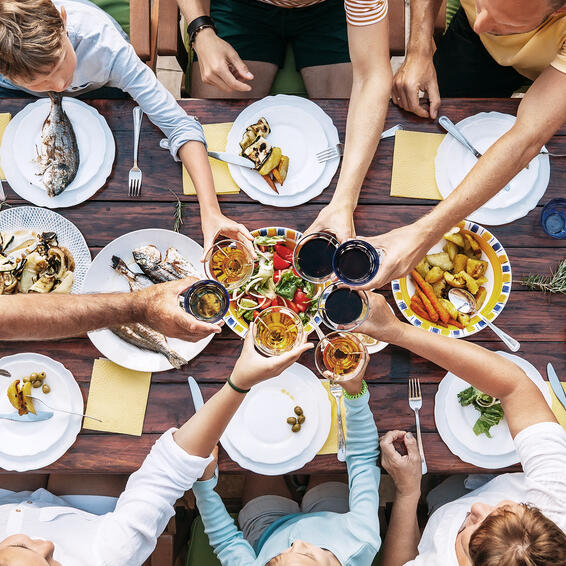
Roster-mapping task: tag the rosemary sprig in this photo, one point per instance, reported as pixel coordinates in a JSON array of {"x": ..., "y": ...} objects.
[
  {"x": 178, "y": 213},
  {"x": 553, "y": 283}
]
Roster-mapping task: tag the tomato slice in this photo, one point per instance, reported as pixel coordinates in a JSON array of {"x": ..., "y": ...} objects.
[
  {"x": 276, "y": 276},
  {"x": 284, "y": 252},
  {"x": 279, "y": 263}
]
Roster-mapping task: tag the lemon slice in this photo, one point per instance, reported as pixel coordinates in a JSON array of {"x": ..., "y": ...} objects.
[
  {"x": 248, "y": 304},
  {"x": 367, "y": 340}
]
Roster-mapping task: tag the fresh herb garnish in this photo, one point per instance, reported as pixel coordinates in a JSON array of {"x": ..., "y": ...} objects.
[
  {"x": 489, "y": 407},
  {"x": 553, "y": 283}
]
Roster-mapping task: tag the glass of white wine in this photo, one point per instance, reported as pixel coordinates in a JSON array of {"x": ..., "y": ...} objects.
[
  {"x": 340, "y": 356},
  {"x": 230, "y": 263},
  {"x": 277, "y": 330}
]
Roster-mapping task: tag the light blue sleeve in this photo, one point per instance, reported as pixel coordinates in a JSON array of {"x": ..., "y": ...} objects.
[
  {"x": 227, "y": 541},
  {"x": 363, "y": 472},
  {"x": 131, "y": 75}
]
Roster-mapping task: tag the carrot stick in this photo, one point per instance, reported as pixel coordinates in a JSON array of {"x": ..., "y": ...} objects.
[
  {"x": 455, "y": 323},
  {"x": 433, "y": 315},
  {"x": 277, "y": 176},
  {"x": 420, "y": 311},
  {"x": 415, "y": 298},
  {"x": 270, "y": 182},
  {"x": 431, "y": 296}
]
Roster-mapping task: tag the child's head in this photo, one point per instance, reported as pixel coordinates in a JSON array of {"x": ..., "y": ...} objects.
[
  {"x": 304, "y": 554},
  {"x": 36, "y": 52}
]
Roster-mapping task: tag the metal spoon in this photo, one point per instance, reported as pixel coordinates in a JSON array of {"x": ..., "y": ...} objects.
[{"x": 465, "y": 303}]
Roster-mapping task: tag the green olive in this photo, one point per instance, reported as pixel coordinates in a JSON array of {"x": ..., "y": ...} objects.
[
  {"x": 36, "y": 383},
  {"x": 25, "y": 379},
  {"x": 42, "y": 375},
  {"x": 292, "y": 420},
  {"x": 46, "y": 389},
  {"x": 33, "y": 377},
  {"x": 298, "y": 410},
  {"x": 301, "y": 419},
  {"x": 296, "y": 427}
]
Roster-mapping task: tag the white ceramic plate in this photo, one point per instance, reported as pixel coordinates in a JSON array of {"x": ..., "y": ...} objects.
[
  {"x": 101, "y": 278},
  {"x": 455, "y": 423},
  {"x": 33, "y": 445},
  {"x": 301, "y": 128},
  {"x": 42, "y": 220},
  {"x": 19, "y": 155},
  {"x": 453, "y": 162},
  {"x": 266, "y": 425}
]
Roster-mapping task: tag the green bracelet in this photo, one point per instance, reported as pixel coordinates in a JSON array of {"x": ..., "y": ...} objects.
[
  {"x": 236, "y": 388},
  {"x": 360, "y": 394}
]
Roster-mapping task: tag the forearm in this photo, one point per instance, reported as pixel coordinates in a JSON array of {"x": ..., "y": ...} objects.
[
  {"x": 423, "y": 16},
  {"x": 195, "y": 159},
  {"x": 52, "y": 316},
  {"x": 192, "y": 9},
  {"x": 403, "y": 534},
  {"x": 200, "y": 434}
]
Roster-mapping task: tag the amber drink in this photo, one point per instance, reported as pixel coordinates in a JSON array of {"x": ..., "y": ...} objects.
[
  {"x": 230, "y": 263},
  {"x": 277, "y": 330},
  {"x": 340, "y": 356}
]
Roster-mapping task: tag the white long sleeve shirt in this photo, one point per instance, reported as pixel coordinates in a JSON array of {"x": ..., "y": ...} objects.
[
  {"x": 126, "y": 536},
  {"x": 106, "y": 58}
]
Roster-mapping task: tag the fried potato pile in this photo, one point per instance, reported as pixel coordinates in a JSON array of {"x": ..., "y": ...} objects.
[{"x": 458, "y": 265}]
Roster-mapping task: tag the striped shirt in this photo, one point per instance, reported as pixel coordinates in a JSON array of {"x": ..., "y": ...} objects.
[{"x": 358, "y": 12}]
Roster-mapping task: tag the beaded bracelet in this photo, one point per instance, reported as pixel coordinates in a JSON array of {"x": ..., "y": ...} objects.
[
  {"x": 236, "y": 388},
  {"x": 360, "y": 394}
]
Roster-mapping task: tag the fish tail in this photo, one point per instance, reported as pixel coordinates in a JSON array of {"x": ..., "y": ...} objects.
[
  {"x": 56, "y": 97},
  {"x": 175, "y": 359}
]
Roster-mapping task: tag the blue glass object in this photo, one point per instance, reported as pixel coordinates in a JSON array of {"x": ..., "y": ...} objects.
[{"x": 553, "y": 218}]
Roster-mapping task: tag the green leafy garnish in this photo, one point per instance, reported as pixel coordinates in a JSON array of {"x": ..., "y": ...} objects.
[
  {"x": 268, "y": 240},
  {"x": 287, "y": 285},
  {"x": 489, "y": 407}
]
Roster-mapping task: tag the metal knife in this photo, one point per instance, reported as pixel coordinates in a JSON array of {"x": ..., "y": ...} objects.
[
  {"x": 231, "y": 158},
  {"x": 28, "y": 418},
  {"x": 555, "y": 384},
  {"x": 198, "y": 401}
]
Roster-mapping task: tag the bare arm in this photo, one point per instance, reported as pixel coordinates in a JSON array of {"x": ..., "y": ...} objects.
[
  {"x": 369, "y": 51},
  {"x": 495, "y": 375},
  {"x": 541, "y": 112},
  {"x": 51, "y": 316}
]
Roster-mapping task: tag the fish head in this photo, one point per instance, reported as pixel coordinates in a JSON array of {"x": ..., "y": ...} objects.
[{"x": 147, "y": 256}]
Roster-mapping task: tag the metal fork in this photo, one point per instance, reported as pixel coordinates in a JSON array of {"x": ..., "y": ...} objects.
[
  {"x": 337, "y": 392},
  {"x": 338, "y": 150},
  {"x": 416, "y": 402},
  {"x": 63, "y": 410},
  {"x": 135, "y": 174}
]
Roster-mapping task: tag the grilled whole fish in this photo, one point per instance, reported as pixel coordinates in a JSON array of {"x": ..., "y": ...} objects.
[
  {"x": 147, "y": 339},
  {"x": 59, "y": 155},
  {"x": 159, "y": 270},
  {"x": 136, "y": 281}
]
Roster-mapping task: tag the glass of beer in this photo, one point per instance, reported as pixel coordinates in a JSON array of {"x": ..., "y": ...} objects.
[
  {"x": 277, "y": 330},
  {"x": 230, "y": 263},
  {"x": 342, "y": 308},
  {"x": 312, "y": 256},
  {"x": 355, "y": 262},
  {"x": 340, "y": 356},
  {"x": 207, "y": 300}
]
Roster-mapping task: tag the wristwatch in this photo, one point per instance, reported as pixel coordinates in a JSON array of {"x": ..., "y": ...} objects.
[{"x": 199, "y": 24}]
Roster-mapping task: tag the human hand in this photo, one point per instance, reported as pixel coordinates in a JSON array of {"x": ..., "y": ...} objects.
[
  {"x": 381, "y": 323},
  {"x": 252, "y": 368},
  {"x": 219, "y": 63},
  {"x": 210, "y": 470},
  {"x": 354, "y": 386},
  {"x": 218, "y": 224},
  {"x": 405, "y": 469},
  {"x": 417, "y": 73},
  {"x": 160, "y": 309},
  {"x": 402, "y": 249},
  {"x": 336, "y": 219}
]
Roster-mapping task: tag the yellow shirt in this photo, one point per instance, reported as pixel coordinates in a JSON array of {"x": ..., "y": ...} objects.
[{"x": 528, "y": 53}]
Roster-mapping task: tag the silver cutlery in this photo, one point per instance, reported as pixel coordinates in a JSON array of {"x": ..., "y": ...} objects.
[
  {"x": 231, "y": 158},
  {"x": 135, "y": 174},
  {"x": 27, "y": 418},
  {"x": 337, "y": 392},
  {"x": 555, "y": 384},
  {"x": 2, "y": 193},
  {"x": 416, "y": 403},
  {"x": 63, "y": 410},
  {"x": 338, "y": 149},
  {"x": 466, "y": 304},
  {"x": 546, "y": 152},
  {"x": 5, "y": 373}
]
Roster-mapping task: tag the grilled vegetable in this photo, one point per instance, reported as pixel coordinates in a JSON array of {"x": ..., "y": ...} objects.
[
  {"x": 258, "y": 152},
  {"x": 283, "y": 168},
  {"x": 272, "y": 161}
]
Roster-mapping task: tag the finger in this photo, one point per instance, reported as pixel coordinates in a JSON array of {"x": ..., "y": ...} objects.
[
  {"x": 195, "y": 326},
  {"x": 240, "y": 67},
  {"x": 243, "y": 237},
  {"x": 433, "y": 98},
  {"x": 411, "y": 445},
  {"x": 227, "y": 76},
  {"x": 392, "y": 436},
  {"x": 314, "y": 227},
  {"x": 289, "y": 357}
]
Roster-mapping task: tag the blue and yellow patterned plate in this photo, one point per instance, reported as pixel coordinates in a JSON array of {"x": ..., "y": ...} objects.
[
  {"x": 498, "y": 285},
  {"x": 238, "y": 324}
]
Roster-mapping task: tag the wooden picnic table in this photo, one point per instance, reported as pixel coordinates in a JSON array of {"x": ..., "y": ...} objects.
[{"x": 531, "y": 317}]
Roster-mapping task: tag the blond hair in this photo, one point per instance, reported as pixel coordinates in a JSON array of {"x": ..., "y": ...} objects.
[
  {"x": 522, "y": 537},
  {"x": 31, "y": 37}
]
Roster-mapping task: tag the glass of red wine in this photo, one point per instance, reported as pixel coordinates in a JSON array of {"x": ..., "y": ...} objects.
[
  {"x": 355, "y": 262},
  {"x": 312, "y": 257},
  {"x": 342, "y": 308}
]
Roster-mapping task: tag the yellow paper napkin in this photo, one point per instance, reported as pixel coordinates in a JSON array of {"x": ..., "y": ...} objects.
[
  {"x": 4, "y": 119},
  {"x": 331, "y": 444},
  {"x": 118, "y": 396},
  {"x": 216, "y": 136},
  {"x": 557, "y": 408},
  {"x": 413, "y": 165}
]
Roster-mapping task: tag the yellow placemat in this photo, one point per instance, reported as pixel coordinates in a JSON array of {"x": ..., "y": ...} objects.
[
  {"x": 4, "y": 119},
  {"x": 331, "y": 444},
  {"x": 413, "y": 165},
  {"x": 216, "y": 136},
  {"x": 557, "y": 408},
  {"x": 118, "y": 396}
]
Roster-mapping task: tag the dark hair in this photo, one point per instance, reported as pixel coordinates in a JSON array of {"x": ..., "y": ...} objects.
[
  {"x": 518, "y": 537},
  {"x": 557, "y": 4}
]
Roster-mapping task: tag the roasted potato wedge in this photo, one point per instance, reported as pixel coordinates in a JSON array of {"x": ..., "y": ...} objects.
[
  {"x": 480, "y": 297},
  {"x": 464, "y": 319},
  {"x": 19, "y": 397},
  {"x": 451, "y": 249},
  {"x": 441, "y": 259},
  {"x": 439, "y": 287},
  {"x": 423, "y": 268},
  {"x": 434, "y": 275},
  {"x": 471, "y": 283},
  {"x": 450, "y": 308},
  {"x": 455, "y": 238},
  {"x": 455, "y": 280},
  {"x": 476, "y": 267}
]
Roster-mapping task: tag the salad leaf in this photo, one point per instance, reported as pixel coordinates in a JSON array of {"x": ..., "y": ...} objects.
[
  {"x": 287, "y": 285},
  {"x": 268, "y": 240},
  {"x": 491, "y": 411},
  {"x": 308, "y": 288}
]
